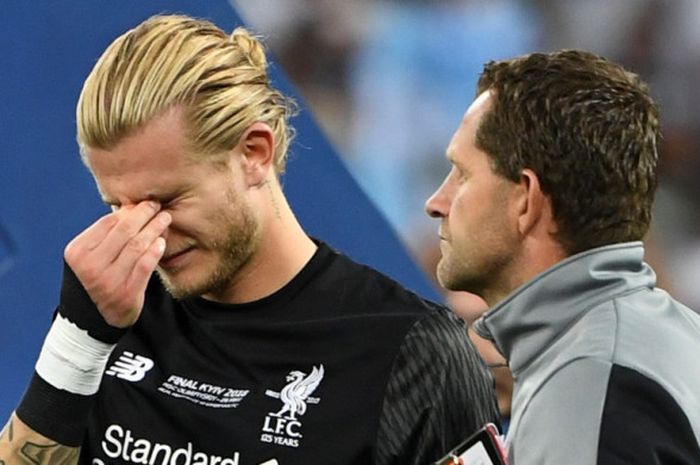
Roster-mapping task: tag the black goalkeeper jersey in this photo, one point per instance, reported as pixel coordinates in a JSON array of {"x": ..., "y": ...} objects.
[{"x": 341, "y": 366}]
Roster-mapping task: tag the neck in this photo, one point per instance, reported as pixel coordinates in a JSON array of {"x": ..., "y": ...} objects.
[
  {"x": 282, "y": 250},
  {"x": 535, "y": 257}
]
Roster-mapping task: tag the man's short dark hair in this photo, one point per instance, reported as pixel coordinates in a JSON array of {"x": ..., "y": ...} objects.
[{"x": 589, "y": 130}]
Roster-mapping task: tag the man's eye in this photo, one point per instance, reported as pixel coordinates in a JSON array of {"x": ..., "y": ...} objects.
[{"x": 457, "y": 175}]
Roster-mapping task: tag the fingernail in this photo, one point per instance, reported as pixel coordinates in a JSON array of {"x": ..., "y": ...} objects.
[
  {"x": 154, "y": 205},
  {"x": 160, "y": 243},
  {"x": 165, "y": 218}
]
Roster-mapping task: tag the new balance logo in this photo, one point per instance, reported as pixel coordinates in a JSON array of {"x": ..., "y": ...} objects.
[{"x": 130, "y": 367}]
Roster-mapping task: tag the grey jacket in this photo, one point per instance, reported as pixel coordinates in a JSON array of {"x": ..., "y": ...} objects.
[{"x": 606, "y": 365}]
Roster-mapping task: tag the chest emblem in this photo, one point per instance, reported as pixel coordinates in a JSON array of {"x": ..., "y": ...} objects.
[
  {"x": 130, "y": 367},
  {"x": 283, "y": 426}
]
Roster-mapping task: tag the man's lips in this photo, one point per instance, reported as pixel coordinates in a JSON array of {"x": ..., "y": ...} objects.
[{"x": 172, "y": 259}]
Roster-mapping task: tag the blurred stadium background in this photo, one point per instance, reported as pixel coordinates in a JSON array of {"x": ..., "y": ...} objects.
[{"x": 387, "y": 81}]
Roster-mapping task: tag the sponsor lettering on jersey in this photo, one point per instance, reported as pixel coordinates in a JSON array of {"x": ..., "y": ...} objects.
[
  {"x": 201, "y": 393},
  {"x": 130, "y": 367},
  {"x": 283, "y": 427},
  {"x": 121, "y": 445}
]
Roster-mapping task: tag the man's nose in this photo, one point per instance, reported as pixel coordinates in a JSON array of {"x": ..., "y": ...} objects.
[{"x": 436, "y": 205}]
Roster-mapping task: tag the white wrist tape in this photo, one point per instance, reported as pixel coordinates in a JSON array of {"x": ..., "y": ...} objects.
[{"x": 71, "y": 359}]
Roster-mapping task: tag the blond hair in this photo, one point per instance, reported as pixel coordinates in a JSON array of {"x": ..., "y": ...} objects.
[{"x": 220, "y": 80}]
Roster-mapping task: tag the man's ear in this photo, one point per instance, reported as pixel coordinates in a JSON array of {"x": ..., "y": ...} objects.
[
  {"x": 257, "y": 147},
  {"x": 533, "y": 206}
]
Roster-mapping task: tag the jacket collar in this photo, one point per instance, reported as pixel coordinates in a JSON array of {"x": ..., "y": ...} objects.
[{"x": 533, "y": 316}]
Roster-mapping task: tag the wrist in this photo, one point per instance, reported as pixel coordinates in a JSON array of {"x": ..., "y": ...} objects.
[
  {"x": 71, "y": 359},
  {"x": 76, "y": 306},
  {"x": 68, "y": 373},
  {"x": 54, "y": 413}
]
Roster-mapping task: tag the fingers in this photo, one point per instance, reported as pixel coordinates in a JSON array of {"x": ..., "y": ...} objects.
[
  {"x": 138, "y": 245},
  {"x": 115, "y": 257},
  {"x": 111, "y": 232},
  {"x": 130, "y": 222},
  {"x": 92, "y": 237},
  {"x": 143, "y": 269}
]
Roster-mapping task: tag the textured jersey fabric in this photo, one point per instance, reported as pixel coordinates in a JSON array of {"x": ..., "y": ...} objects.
[
  {"x": 605, "y": 364},
  {"x": 341, "y": 366},
  {"x": 426, "y": 389}
]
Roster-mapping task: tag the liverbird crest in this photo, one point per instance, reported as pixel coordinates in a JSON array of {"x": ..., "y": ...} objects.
[{"x": 297, "y": 393}]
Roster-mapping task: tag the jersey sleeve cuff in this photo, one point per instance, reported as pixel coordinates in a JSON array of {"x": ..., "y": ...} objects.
[{"x": 77, "y": 306}]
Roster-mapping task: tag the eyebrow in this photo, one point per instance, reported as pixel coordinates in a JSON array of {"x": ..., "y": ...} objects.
[
  {"x": 449, "y": 154},
  {"x": 151, "y": 196}
]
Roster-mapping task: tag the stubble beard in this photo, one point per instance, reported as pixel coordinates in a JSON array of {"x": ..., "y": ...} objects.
[
  {"x": 233, "y": 251},
  {"x": 450, "y": 276},
  {"x": 461, "y": 273},
  {"x": 485, "y": 276}
]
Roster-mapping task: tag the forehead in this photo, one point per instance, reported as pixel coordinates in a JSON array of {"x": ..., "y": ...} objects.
[
  {"x": 151, "y": 159},
  {"x": 465, "y": 136}
]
